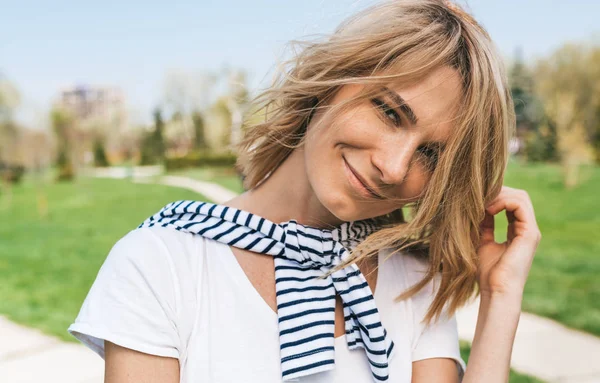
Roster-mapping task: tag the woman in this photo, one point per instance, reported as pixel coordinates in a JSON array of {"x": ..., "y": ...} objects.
[{"x": 404, "y": 108}]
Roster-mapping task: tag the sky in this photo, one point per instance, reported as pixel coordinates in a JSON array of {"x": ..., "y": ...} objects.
[{"x": 48, "y": 45}]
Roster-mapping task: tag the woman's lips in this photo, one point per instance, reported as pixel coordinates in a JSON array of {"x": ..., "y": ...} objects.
[{"x": 357, "y": 184}]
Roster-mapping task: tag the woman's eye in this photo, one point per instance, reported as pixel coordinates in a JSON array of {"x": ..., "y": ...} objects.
[{"x": 387, "y": 111}]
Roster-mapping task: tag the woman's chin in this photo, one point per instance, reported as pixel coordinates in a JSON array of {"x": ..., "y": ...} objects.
[{"x": 344, "y": 207}]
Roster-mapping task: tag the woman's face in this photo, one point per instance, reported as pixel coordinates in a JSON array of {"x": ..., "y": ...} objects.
[{"x": 388, "y": 143}]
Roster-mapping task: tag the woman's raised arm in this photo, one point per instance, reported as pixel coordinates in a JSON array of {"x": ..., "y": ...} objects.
[{"x": 503, "y": 271}]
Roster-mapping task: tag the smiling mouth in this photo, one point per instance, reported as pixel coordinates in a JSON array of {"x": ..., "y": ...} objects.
[{"x": 358, "y": 184}]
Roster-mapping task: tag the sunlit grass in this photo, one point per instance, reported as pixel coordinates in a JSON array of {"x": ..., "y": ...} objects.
[
  {"x": 564, "y": 281},
  {"x": 47, "y": 264}
]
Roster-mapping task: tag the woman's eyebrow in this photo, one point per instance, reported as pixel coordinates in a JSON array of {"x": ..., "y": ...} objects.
[{"x": 406, "y": 109}]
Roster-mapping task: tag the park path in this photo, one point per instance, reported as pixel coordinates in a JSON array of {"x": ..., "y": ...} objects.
[
  {"x": 29, "y": 356},
  {"x": 543, "y": 348}
]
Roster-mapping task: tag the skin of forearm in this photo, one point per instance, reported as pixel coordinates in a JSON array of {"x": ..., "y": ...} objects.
[{"x": 491, "y": 350}]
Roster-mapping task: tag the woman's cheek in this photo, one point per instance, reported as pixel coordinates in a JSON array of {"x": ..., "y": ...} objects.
[{"x": 415, "y": 184}]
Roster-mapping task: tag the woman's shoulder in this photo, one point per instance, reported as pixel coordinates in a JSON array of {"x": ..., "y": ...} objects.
[
  {"x": 157, "y": 251},
  {"x": 159, "y": 241},
  {"x": 144, "y": 294}
]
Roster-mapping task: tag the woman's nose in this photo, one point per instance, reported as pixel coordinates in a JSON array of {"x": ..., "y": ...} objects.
[{"x": 393, "y": 161}]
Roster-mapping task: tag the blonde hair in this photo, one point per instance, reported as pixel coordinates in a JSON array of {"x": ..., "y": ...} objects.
[{"x": 401, "y": 42}]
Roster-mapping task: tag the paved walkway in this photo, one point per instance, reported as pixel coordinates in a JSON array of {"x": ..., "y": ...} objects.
[
  {"x": 213, "y": 192},
  {"x": 28, "y": 356},
  {"x": 543, "y": 348}
]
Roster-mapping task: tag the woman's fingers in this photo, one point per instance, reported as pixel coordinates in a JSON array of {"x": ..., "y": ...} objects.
[{"x": 519, "y": 212}]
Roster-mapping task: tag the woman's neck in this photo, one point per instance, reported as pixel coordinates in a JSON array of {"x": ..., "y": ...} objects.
[{"x": 287, "y": 194}]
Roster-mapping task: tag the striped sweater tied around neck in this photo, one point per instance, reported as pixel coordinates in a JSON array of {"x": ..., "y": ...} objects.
[{"x": 305, "y": 303}]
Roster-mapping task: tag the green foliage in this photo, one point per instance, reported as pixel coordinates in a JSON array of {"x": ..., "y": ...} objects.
[
  {"x": 11, "y": 173},
  {"x": 100, "y": 159},
  {"x": 9, "y": 99},
  {"x": 146, "y": 151},
  {"x": 48, "y": 265},
  {"x": 199, "y": 136},
  {"x": 535, "y": 131},
  {"x": 153, "y": 143},
  {"x": 158, "y": 134},
  {"x": 568, "y": 83},
  {"x": 521, "y": 88},
  {"x": 200, "y": 159},
  {"x": 563, "y": 281},
  {"x": 221, "y": 123},
  {"x": 9, "y": 138},
  {"x": 62, "y": 124},
  {"x": 540, "y": 143},
  {"x": 65, "y": 171}
]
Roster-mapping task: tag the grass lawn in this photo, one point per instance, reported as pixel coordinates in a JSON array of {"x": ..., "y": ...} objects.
[
  {"x": 564, "y": 281},
  {"x": 465, "y": 350},
  {"x": 224, "y": 176},
  {"x": 48, "y": 265}
]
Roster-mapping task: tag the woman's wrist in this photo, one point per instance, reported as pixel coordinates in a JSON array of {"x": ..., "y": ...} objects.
[
  {"x": 512, "y": 297},
  {"x": 494, "y": 336}
]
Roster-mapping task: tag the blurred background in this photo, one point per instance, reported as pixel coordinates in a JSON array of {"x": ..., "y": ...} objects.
[{"x": 109, "y": 110}]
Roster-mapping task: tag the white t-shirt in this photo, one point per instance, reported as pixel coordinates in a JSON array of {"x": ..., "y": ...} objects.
[{"x": 173, "y": 294}]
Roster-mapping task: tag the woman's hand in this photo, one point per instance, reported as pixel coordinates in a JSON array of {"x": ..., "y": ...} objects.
[{"x": 504, "y": 267}]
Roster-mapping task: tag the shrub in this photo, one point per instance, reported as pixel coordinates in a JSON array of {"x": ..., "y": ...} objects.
[
  {"x": 11, "y": 173},
  {"x": 65, "y": 167},
  {"x": 541, "y": 144},
  {"x": 198, "y": 159},
  {"x": 65, "y": 173},
  {"x": 100, "y": 159}
]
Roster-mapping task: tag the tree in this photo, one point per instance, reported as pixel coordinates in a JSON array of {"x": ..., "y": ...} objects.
[
  {"x": 185, "y": 93},
  {"x": 9, "y": 99},
  {"x": 219, "y": 120},
  {"x": 9, "y": 132},
  {"x": 533, "y": 129},
  {"x": 146, "y": 151},
  {"x": 153, "y": 145},
  {"x": 593, "y": 115},
  {"x": 9, "y": 136},
  {"x": 237, "y": 101},
  {"x": 565, "y": 84},
  {"x": 199, "y": 135},
  {"x": 158, "y": 135},
  {"x": 62, "y": 124},
  {"x": 100, "y": 159}
]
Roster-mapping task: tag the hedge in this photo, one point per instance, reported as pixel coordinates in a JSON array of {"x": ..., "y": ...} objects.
[
  {"x": 197, "y": 159},
  {"x": 11, "y": 173}
]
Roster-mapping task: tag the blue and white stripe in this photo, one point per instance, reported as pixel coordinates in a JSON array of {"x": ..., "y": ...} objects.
[{"x": 305, "y": 303}]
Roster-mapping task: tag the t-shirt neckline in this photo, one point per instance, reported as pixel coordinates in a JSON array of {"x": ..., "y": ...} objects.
[{"x": 243, "y": 278}]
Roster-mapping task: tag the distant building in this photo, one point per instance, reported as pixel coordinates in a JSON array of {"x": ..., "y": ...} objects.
[
  {"x": 97, "y": 111},
  {"x": 95, "y": 107}
]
